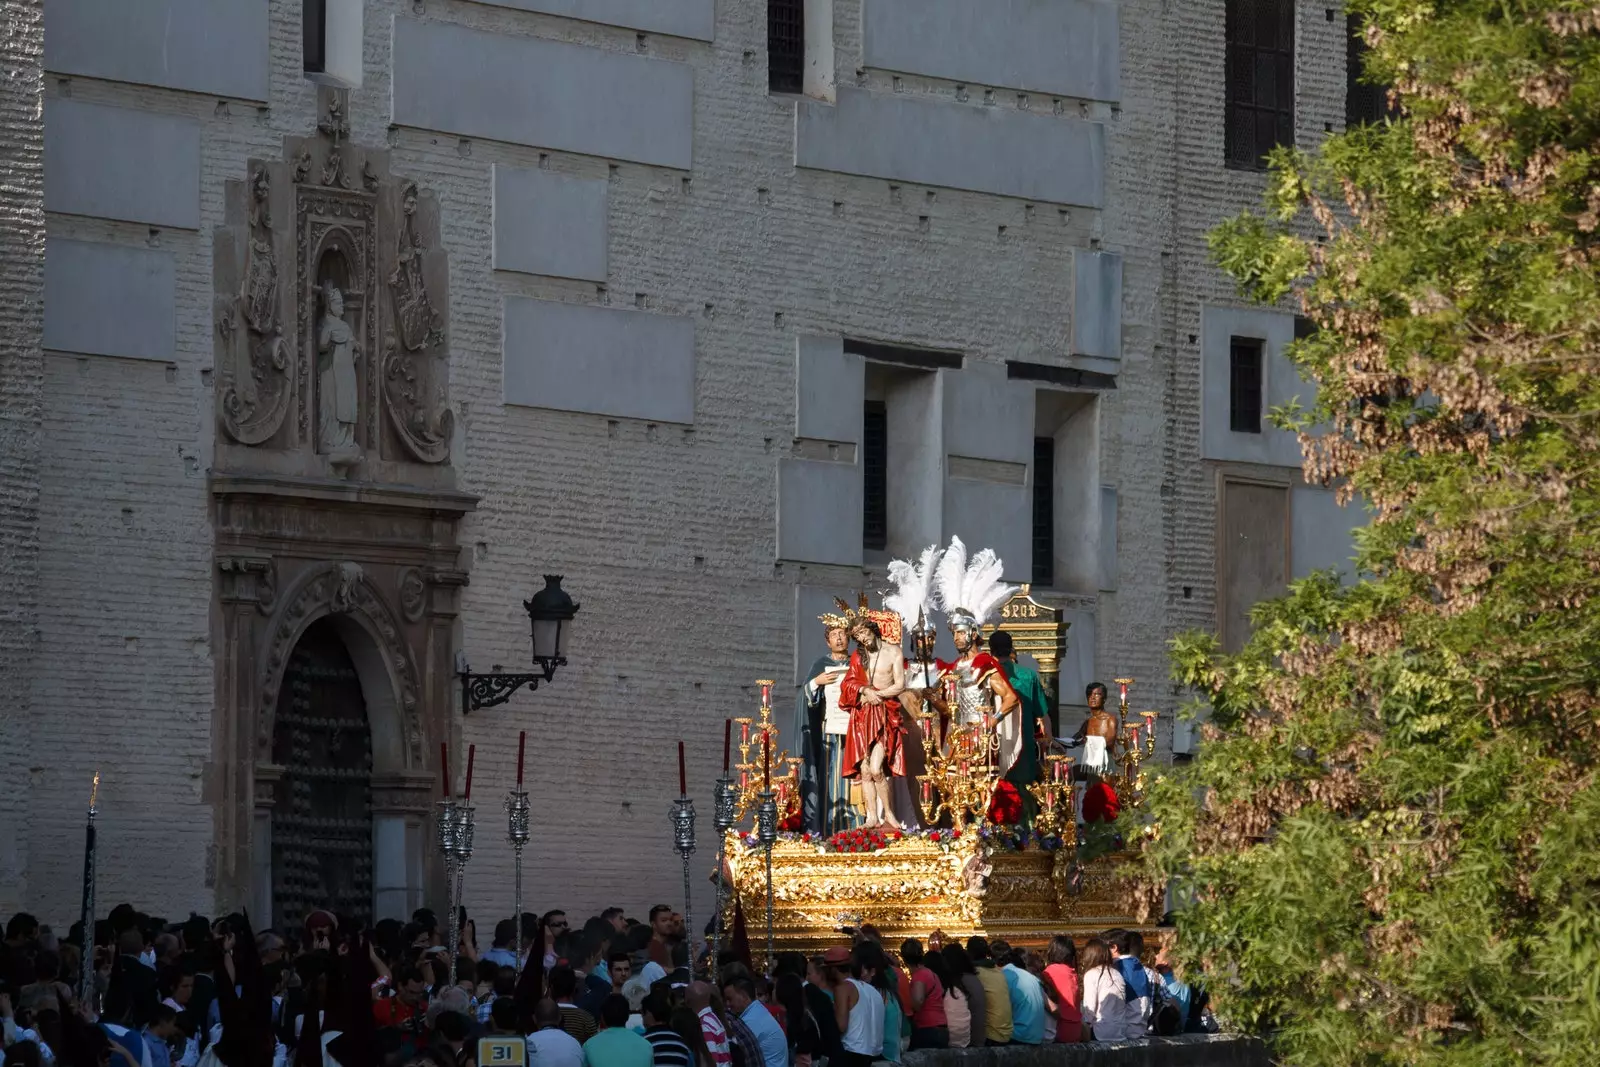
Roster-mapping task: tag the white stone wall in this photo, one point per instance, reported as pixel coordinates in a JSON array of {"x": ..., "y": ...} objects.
[{"x": 665, "y": 530}]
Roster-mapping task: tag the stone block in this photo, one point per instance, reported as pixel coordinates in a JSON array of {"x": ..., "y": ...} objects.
[
  {"x": 1097, "y": 308},
  {"x": 956, "y": 146},
  {"x": 546, "y": 94},
  {"x": 217, "y": 47},
  {"x": 695, "y": 19},
  {"x": 829, "y": 388},
  {"x": 819, "y": 512},
  {"x": 1063, "y": 47},
  {"x": 109, "y": 300},
  {"x": 547, "y": 223},
  {"x": 118, "y": 163},
  {"x": 606, "y": 361}
]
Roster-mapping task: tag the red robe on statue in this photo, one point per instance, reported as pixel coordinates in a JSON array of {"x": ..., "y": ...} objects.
[{"x": 869, "y": 724}]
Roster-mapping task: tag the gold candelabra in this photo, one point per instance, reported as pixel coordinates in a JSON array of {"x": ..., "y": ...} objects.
[
  {"x": 1136, "y": 740},
  {"x": 766, "y": 770},
  {"x": 1053, "y": 793}
]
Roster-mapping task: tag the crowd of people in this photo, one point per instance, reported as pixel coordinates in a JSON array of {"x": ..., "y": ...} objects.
[{"x": 612, "y": 992}]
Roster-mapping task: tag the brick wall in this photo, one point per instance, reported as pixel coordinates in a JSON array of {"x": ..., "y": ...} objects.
[{"x": 665, "y": 533}]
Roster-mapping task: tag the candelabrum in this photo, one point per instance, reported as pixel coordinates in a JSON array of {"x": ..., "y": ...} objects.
[
  {"x": 724, "y": 805},
  {"x": 1053, "y": 794},
  {"x": 767, "y": 834},
  {"x": 1136, "y": 742},
  {"x": 682, "y": 818},
  {"x": 86, "y": 982},
  {"x": 765, "y": 769},
  {"x": 961, "y": 772},
  {"x": 455, "y": 841},
  {"x": 517, "y": 812}
]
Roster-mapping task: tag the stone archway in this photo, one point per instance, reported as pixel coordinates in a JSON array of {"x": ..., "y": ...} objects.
[{"x": 335, "y": 613}]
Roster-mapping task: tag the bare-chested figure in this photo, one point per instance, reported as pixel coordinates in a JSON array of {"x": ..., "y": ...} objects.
[{"x": 873, "y": 748}]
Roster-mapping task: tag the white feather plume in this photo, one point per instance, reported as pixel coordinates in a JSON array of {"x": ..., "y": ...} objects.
[
  {"x": 974, "y": 585},
  {"x": 911, "y": 599},
  {"x": 950, "y": 576}
]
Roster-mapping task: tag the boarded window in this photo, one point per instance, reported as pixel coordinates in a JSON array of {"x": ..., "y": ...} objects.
[
  {"x": 786, "y": 45},
  {"x": 1044, "y": 511},
  {"x": 1244, "y": 384},
  {"x": 875, "y": 477},
  {"x": 1260, "y": 80}
]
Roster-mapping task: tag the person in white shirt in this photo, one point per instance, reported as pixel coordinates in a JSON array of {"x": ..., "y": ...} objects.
[
  {"x": 1106, "y": 1011},
  {"x": 549, "y": 1045}
]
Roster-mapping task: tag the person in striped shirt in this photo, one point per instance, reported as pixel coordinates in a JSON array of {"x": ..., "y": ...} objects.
[
  {"x": 711, "y": 1027},
  {"x": 668, "y": 1048}
]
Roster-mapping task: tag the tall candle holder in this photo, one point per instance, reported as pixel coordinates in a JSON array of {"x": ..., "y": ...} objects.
[
  {"x": 724, "y": 804},
  {"x": 455, "y": 838},
  {"x": 682, "y": 819},
  {"x": 767, "y": 834},
  {"x": 86, "y": 983},
  {"x": 517, "y": 833}
]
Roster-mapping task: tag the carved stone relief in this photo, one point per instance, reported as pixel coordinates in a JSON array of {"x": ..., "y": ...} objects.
[{"x": 324, "y": 254}]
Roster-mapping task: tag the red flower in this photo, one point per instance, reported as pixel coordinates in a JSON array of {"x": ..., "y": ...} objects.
[
  {"x": 744, "y": 833},
  {"x": 1005, "y": 807}
]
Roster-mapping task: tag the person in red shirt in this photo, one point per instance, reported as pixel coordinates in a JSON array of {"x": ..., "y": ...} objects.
[
  {"x": 930, "y": 1028},
  {"x": 407, "y": 1009}
]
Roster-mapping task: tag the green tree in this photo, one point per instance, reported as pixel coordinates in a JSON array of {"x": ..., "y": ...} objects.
[{"x": 1390, "y": 839}]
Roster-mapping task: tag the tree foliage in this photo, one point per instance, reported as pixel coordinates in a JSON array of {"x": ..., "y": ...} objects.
[{"x": 1390, "y": 839}]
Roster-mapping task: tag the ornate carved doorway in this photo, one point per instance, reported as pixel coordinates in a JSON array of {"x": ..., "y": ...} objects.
[{"x": 322, "y": 848}]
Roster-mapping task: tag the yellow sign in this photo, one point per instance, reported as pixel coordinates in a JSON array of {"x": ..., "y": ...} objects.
[{"x": 502, "y": 1052}]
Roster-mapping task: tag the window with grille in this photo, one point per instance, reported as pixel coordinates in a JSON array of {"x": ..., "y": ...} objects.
[
  {"x": 1260, "y": 79},
  {"x": 1044, "y": 511},
  {"x": 786, "y": 45},
  {"x": 1244, "y": 384},
  {"x": 875, "y": 477},
  {"x": 1364, "y": 102},
  {"x": 314, "y": 41}
]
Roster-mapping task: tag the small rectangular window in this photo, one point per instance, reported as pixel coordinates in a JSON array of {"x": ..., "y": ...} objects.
[
  {"x": 314, "y": 41},
  {"x": 786, "y": 46},
  {"x": 875, "y": 477},
  {"x": 1044, "y": 511},
  {"x": 1364, "y": 102},
  {"x": 1244, "y": 384},
  {"x": 1259, "y": 94}
]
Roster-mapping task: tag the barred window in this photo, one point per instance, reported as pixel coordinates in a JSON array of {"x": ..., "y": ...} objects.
[
  {"x": 786, "y": 45},
  {"x": 1044, "y": 511},
  {"x": 1364, "y": 102},
  {"x": 875, "y": 477},
  {"x": 1260, "y": 80},
  {"x": 1244, "y": 384}
]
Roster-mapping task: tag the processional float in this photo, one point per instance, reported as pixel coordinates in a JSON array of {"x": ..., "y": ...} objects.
[{"x": 969, "y": 869}]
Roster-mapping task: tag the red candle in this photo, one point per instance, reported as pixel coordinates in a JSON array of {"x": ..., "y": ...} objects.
[
  {"x": 444, "y": 767},
  {"x": 522, "y": 747},
  {"x": 727, "y": 743},
  {"x": 466, "y": 793},
  {"x": 683, "y": 780}
]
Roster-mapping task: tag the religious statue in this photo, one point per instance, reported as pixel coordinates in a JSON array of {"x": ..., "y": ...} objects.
[
  {"x": 874, "y": 748},
  {"x": 969, "y": 593},
  {"x": 822, "y": 724},
  {"x": 1098, "y": 736},
  {"x": 922, "y": 697},
  {"x": 336, "y": 381},
  {"x": 1033, "y": 716}
]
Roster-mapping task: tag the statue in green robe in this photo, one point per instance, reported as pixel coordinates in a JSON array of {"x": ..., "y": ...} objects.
[{"x": 1034, "y": 707}]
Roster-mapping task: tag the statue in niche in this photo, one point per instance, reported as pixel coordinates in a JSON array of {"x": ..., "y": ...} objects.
[{"x": 337, "y": 401}]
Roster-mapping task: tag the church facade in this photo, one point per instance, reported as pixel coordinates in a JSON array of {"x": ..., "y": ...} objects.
[{"x": 334, "y": 325}]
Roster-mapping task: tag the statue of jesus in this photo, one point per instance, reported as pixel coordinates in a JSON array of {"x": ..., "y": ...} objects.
[{"x": 873, "y": 749}]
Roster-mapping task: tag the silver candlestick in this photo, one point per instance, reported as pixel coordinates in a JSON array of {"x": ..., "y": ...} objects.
[
  {"x": 455, "y": 839},
  {"x": 767, "y": 834},
  {"x": 517, "y": 811},
  {"x": 445, "y": 826},
  {"x": 724, "y": 805},
  {"x": 682, "y": 818}
]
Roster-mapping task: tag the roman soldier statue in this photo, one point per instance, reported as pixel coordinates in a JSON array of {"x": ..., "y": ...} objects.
[{"x": 970, "y": 592}]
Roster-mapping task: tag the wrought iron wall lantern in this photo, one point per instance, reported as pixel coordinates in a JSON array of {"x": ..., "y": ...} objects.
[{"x": 550, "y": 614}]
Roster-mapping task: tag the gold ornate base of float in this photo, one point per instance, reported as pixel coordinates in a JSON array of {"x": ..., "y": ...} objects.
[{"x": 915, "y": 886}]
